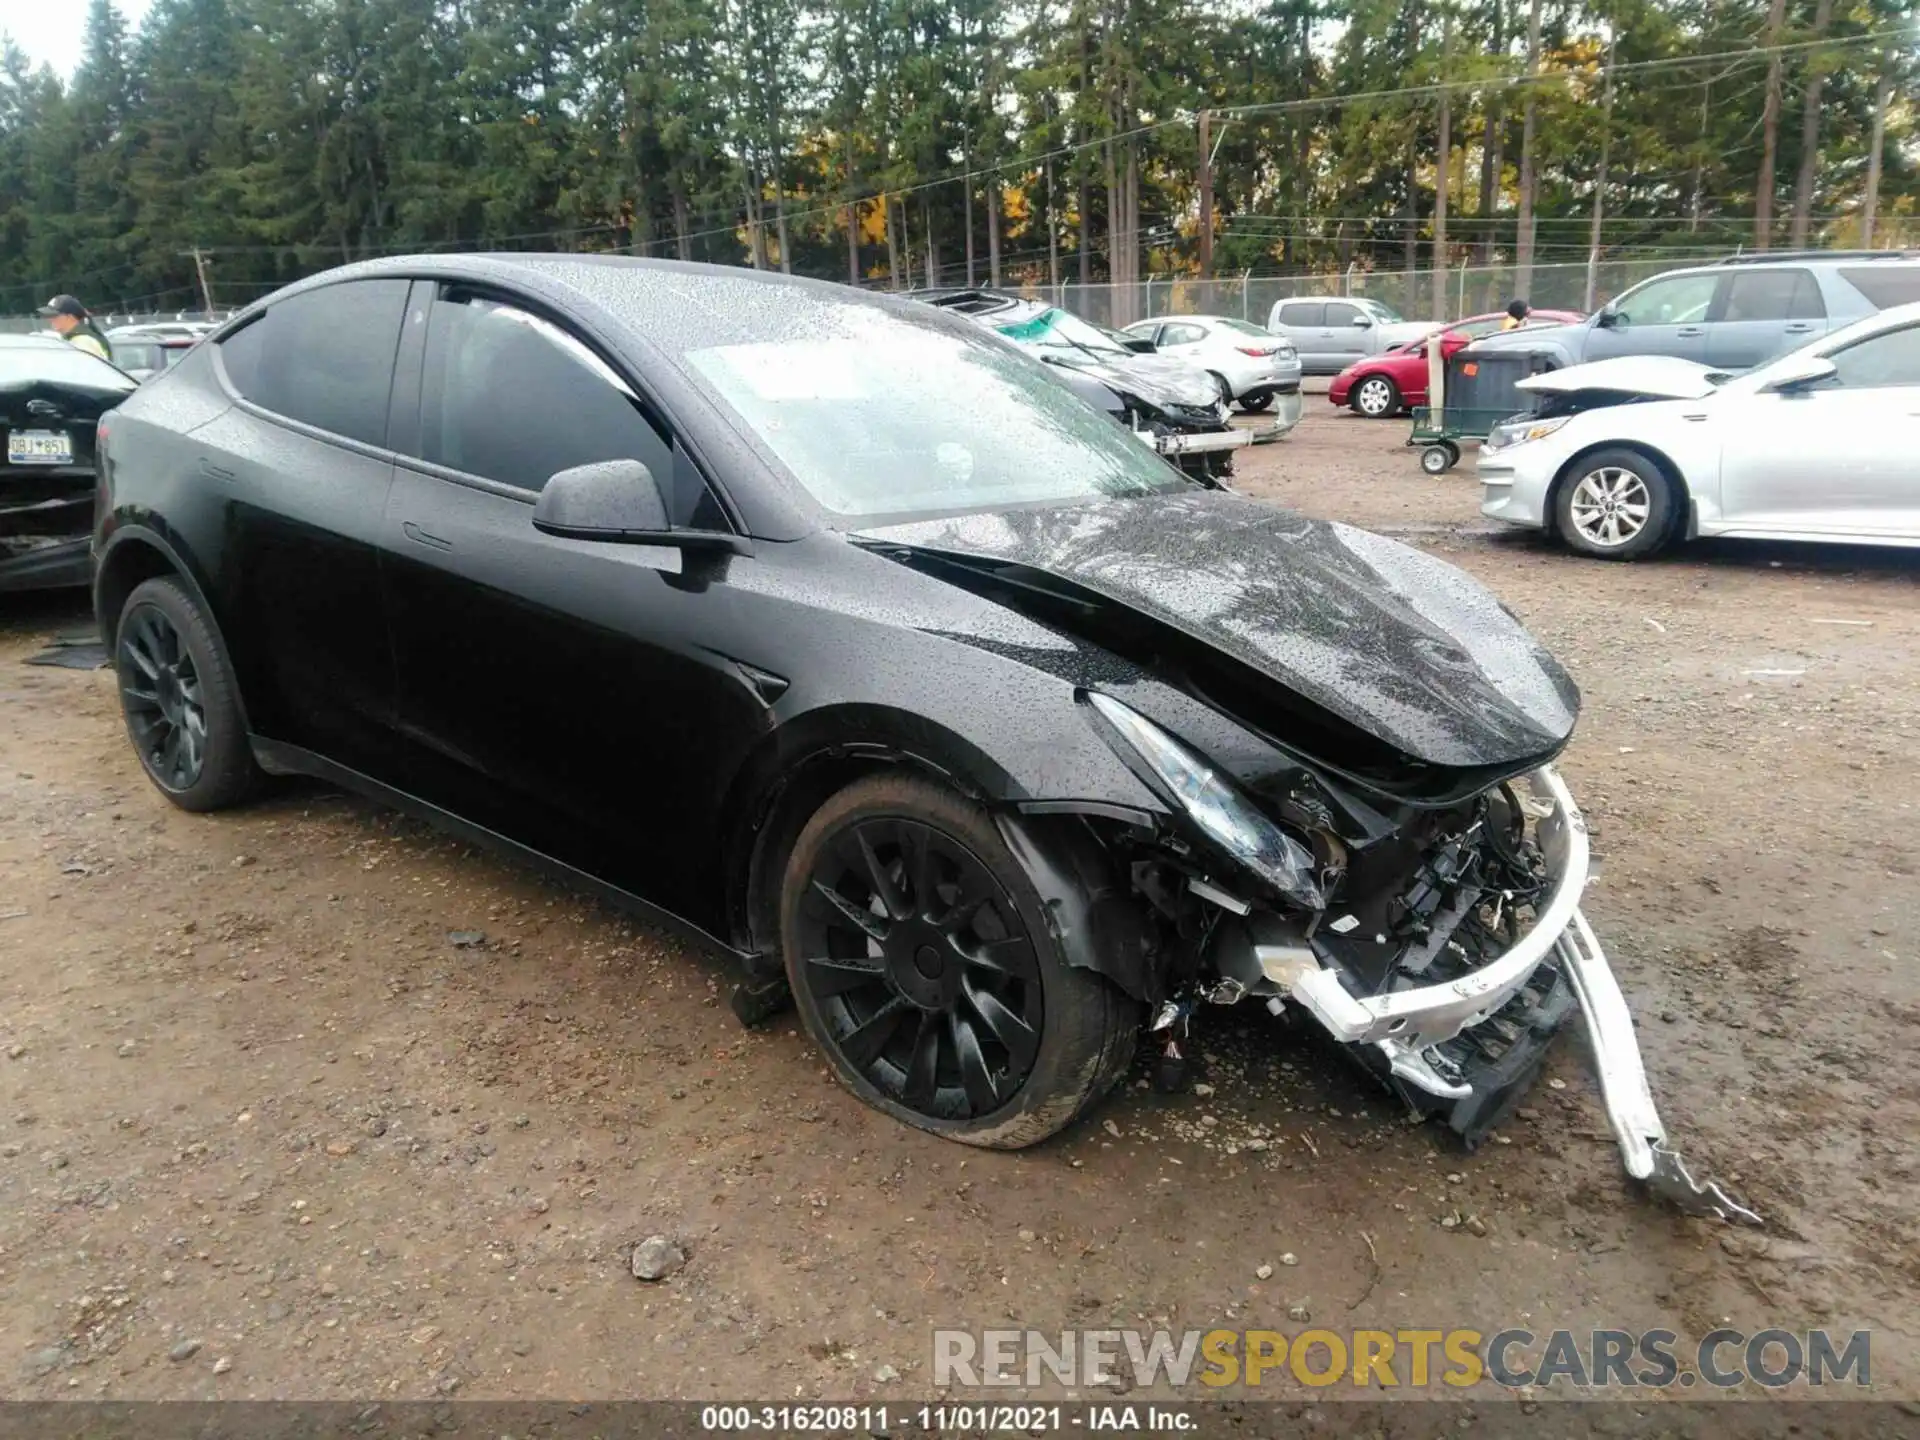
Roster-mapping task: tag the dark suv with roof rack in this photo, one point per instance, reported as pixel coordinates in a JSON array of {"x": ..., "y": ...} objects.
[{"x": 1737, "y": 312}]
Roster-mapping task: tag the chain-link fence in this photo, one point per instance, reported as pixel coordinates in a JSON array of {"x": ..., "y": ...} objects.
[
  {"x": 1462, "y": 290},
  {"x": 30, "y": 324}
]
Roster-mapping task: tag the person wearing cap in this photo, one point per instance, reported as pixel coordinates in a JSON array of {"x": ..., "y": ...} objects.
[
  {"x": 73, "y": 324},
  {"x": 1517, "y": 313}
]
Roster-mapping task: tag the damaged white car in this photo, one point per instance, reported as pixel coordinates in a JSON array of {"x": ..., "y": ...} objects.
[{"x": 1624, "y": 456}]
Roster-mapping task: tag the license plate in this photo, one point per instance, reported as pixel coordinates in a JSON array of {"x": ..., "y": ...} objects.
[{"x": 40, "y": 447}]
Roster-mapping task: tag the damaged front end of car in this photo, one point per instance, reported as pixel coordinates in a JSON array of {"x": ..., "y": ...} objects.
[{"x": 1444, "y": 945}]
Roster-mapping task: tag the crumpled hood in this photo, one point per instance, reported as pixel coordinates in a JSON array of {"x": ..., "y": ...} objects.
[
  {"x": 1404, "y": 647},
  {"x": 1658, "y": 377},
  {"x": 1157, "y": 379}
]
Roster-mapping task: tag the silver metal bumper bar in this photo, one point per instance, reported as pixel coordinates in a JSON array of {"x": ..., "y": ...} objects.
[
  {"x": 1197, "y": 444},
  {"x": 1406, "y": 1023}
]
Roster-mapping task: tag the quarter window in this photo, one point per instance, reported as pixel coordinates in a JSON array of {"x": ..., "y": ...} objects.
[
  {"x": 509, "y": 397},
  {"x": 323, "y": 357},
  {"x": 1888, "y": 359}
]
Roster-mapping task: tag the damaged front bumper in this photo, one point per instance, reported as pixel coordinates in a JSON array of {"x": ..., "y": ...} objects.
[
  {"x": 1206, "y": 442},
  {"x": 1409, "y": 1026}
]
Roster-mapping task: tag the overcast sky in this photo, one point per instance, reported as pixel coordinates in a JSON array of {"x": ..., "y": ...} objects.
[{"x": 50, "y": 30}]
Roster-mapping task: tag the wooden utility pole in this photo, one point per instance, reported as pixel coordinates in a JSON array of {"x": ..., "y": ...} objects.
[
  {"x": 1769, "y": 131},
  {"x": 1523, "y": 243},
  {"x": 1867, "y": 213},
  {"x": 200, "y": 269},
  {"x": 993, "y": 228},
  {"x": 853, "y": 218},
  {"x": 1810, "y": 131},
  {"x": 1600, "y": 177},
  {"x": 1206, "y": 195}
]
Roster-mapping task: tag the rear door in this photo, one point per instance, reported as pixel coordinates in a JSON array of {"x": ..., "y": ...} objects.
[
  {"x": 551, "y": 688},
  {"x": 298, "y": 471},
  {"x": 1301, "y": 321},
  {"x": 1666, "y": 316},
  {"x": 1762, "y": 313},
  {"x": 1842, "y": 458}
]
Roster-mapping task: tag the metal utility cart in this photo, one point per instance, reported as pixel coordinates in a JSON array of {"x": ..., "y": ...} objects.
[{"x": 1471, "y": 391}]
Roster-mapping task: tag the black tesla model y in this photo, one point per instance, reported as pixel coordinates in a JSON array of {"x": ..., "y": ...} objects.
[{"x": 843, "y": 637}]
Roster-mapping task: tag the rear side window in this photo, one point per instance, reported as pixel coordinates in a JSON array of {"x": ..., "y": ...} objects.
[
  {"x": 1884, "y": 285},
  {"x": 324, "y": 358},
  {"x": 60, "y": 364},
  {"x": 509, "y": 397},
  {"x": 1774, "y": 295},
  {"x": 1302, "y": 312}
]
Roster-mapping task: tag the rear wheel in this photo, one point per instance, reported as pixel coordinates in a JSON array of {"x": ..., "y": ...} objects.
[
  {"x": 1615, "y": 505},
  {"x": 1257, "y": 401},
  {"x": 1375, "y": 397},
  {"x": 181, "y": 704},
  {"x": 922, "y": 963}
]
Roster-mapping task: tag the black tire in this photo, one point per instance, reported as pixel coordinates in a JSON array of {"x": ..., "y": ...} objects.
[
  {"x": 1071, "y": 1033},
  {"x": 1361, "y": 398},
  {"x": 178, "y": 695},
  {"x": 1439, "y": 457},
  {"x": 1256, "y": 402},
  {"x": 1614, "y": 504},
  {"x": 1220, "y": 384}
]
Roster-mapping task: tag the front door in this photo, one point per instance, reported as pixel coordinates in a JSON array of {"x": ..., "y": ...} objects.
[
  {"x": 1344, "y": 338},
  {"x": 1666, "y": 316},
  {"x": 550, "y": 686},
  {"x": 1840, "y": 458}
]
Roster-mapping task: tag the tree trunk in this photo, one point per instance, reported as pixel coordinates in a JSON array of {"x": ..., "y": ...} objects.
[
  {"x": 1490, "y": 147},
  {"x": 933, "y": 245},
  {"x": 780, "y": 217},
  {"x": 1869, "y": 210},
  {"x": 853, "y": 219},
  {"x": 1523, "y": 244},
  {"x": 682, "y": 241},
  {"x": 966, "y": 164},
  {"x": 1769, "y": 133},
  {"x": 1700, "y": 159},
  {"x": 756, "y": 230},
  {"x": 1053, "y": 232},
  {"x": 1442, "y": 174},
  {"x": 899, "y": 245},
  {"x": 993, "y": 229},
  {"x": 1084, "y": 228},
  {"x": 1810, "y": 131},
  {"x": 1600, "y": 181}
]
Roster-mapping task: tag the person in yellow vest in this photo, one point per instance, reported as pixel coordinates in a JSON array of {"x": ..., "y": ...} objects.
[
  {"x": 70, "y": 320},
  {"x": 1517, "y": 313}
]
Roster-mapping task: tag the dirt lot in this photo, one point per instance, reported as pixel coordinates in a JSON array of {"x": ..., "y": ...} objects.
[{"x": 268, "y": 1131}]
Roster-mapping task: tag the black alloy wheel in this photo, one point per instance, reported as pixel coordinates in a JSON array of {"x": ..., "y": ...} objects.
[
  {"x": 918, "y": 960},
  {"x": 181, "y": 704},
  {"x": 160, "y": 688},
  {"x": 916, "y": 949}
]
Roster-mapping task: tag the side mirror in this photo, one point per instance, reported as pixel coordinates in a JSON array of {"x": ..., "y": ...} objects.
[
  {"x": 1609, "y": 319},
  {"x": 1800, "y": 372},
  {"x": 1361, "y": 322},
  {"x": 618, "y": 501}
]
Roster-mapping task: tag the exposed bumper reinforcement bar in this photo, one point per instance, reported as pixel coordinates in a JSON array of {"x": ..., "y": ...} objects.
[
  {"x": 1405, "y": 1024},
  {"x": 1204, "y": 443}
]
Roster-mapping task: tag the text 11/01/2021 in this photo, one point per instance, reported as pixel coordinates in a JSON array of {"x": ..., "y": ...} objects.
[{"x": 973, "y": 1419}]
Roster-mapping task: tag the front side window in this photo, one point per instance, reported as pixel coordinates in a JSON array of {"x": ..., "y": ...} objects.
[
  {"x": 1774, "y": 295},
  {"x": 507, "y": 396},
  {"x": 1888, "y": 359},
  {"x": 323, "y": 357},
  {"x": 875, "y": 415},
  {"x": 1674, "y": 300},
  {"x": 1339, "y": 312}
]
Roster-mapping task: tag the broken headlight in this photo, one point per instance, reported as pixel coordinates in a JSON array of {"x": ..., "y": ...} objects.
[{"x": 1221, "y": 813}]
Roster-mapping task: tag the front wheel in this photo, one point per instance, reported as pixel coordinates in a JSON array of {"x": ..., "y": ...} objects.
[
  {"x": 1615, "y": 505},
  {"x": 922, "y": 964},
  {"x": 1375, "y": 397}
]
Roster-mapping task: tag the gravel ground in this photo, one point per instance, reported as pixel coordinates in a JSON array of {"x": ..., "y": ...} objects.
[{"x": 308, "y": 1101}]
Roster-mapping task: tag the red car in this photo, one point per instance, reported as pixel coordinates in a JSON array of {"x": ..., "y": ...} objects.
[{"x": 1387, "y": 383}]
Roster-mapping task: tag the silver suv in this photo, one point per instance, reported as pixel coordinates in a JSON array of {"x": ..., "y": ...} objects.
[{"x": 1736, "y": 313}]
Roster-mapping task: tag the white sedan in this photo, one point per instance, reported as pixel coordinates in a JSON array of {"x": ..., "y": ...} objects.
[
  {"x": 1624, "y": 455},
  {"x": 1256, "y": 367}
]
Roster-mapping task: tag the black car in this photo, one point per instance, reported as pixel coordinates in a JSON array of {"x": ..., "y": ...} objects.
[
  {"x": 52, "y": 396},
  {"x": 833, "y": 632},
  {"x": 1178, "y": 409}
]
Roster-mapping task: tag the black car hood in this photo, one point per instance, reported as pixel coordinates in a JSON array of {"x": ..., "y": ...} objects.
[{"x": 1403, "y": 647}]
